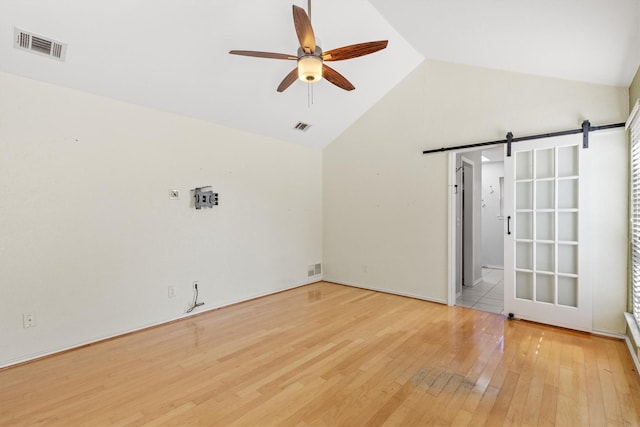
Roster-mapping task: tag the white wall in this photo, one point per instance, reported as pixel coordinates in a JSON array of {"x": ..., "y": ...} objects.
[
  {"x": 89, "y": 240},
  {"x": 608, "y": 208},
  {"x": 492, "y": 252},
  {"x": 385, "y": 204}
]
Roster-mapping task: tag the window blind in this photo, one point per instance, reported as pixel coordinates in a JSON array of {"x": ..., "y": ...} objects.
[{"x": 633, "y": 124}]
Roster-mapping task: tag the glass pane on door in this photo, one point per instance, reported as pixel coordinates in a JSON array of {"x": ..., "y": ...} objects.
[
  {"x": 568, "y": 259},
  {"x": 545, "y": 229},
  {"x": 545, "y": 163},
  {"x": 568, "y": 226},
  {"x": 524, "y": 255},
  {"x": 524, "y": 285},
  {"x": 545, "y": 288},
  {"x": 568, "y": 161},
  {"x": 524, "y": 225},
  {"x": 545, "y": 258},
  {"x": 524, "y": 195},
  {"x": 568, "y": 194},
  {"x": 524, "y": 165},
  {"x": 568, "y": 291}
]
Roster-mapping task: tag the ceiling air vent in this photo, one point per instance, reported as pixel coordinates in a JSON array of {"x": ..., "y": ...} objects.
[
  {"x": 302, "y": 126},
  {"x": 31, "y": 42}
]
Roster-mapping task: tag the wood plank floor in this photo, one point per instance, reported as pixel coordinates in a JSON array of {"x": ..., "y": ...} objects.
[{"x": 330, "y": 355}]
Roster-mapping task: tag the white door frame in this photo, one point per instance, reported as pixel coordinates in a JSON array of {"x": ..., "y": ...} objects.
[
  {"x": 451, "y": 229},
  {"x": 451, "y": 223}
]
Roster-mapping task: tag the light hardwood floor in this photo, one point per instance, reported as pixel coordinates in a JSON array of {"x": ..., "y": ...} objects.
[{"x": 332, "y": 355}]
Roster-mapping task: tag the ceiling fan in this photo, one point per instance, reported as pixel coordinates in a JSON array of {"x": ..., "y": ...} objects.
[{"x": 311, "y": 59}]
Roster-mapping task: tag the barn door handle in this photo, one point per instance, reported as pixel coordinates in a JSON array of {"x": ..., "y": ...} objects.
[{"x": 509, "y": 225}]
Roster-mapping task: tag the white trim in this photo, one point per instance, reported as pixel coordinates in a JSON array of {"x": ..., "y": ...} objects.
[
  {"x": 632, "y": 327},
  {"x": 634, "y": 356},
  {"x": 634, "y": 113},
  {"x": 451, "y": 230},
  {"x": 386, "y": 291},
  {"x": 608, "y": 334},
  {"x": 633, "y": 127}
]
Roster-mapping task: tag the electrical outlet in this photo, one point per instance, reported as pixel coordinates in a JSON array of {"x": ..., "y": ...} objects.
[
  {"x": 28, "y": 320},
  {"x": 171, "y": 293},
  {"x": 365, "y": 268}
]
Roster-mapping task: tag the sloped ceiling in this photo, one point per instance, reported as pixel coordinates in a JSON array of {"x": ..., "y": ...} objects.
[
  {"x": 173, "y": 54},
  {"x": 595, "y": 41}
]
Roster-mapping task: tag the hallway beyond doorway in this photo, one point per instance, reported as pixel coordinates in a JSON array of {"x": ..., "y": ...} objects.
[{"x": 487, "y": 295}]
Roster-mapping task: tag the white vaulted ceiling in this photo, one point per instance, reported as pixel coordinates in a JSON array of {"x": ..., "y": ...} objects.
[{"x": 173, "y": 54}]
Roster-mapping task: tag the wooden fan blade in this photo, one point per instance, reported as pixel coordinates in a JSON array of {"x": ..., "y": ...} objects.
[
  {"x": 304, "y": 30},
  {"x": 262, "y": 54},
  {"x": 288, "y": 80},
  {"x": 336, "y": 78},
  {"x": 354, "y": 50}
]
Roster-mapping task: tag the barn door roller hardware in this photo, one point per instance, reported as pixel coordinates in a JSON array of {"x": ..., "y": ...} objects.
[{"x": 584, "y": 130}]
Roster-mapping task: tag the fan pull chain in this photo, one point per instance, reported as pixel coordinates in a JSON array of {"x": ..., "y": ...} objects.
[{"x": 309, "y": 95}]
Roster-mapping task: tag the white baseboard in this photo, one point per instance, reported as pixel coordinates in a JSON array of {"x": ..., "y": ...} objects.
[
  {"x": 53, "y": 351},
  {"x": 386, "y": 291}
]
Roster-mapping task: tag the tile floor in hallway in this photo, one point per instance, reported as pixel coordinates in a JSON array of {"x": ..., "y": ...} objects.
[{"x": 487, "y": 295}]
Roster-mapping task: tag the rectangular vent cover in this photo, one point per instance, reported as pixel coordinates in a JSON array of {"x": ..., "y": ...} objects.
[
  {"x": 314, "y": 269},
  {"x": 31, "y": 42},
  {"x": 302, "y": 126}
]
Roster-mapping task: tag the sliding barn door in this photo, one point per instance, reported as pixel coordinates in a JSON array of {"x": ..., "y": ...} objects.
[{"x": 543, "y": 234}]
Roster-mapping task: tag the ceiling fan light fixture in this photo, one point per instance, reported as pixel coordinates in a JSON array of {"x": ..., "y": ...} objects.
[{"x": 310, "y": 69}]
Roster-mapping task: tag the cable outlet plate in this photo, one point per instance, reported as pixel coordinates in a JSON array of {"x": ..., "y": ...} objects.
[{"x": 28, "y": 320}]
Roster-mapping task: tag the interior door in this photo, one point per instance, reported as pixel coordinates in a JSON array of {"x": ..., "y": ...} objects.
[{"x": 544, "y": 276}]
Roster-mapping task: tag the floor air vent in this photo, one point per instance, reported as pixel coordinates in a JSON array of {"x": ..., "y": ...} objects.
[
  {"x": 302, "y": 126},
  {"x": 31, "y": 42}
]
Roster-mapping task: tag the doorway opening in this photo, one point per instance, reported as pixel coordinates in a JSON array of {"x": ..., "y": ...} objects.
[{"x": 476, "y": 228}]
